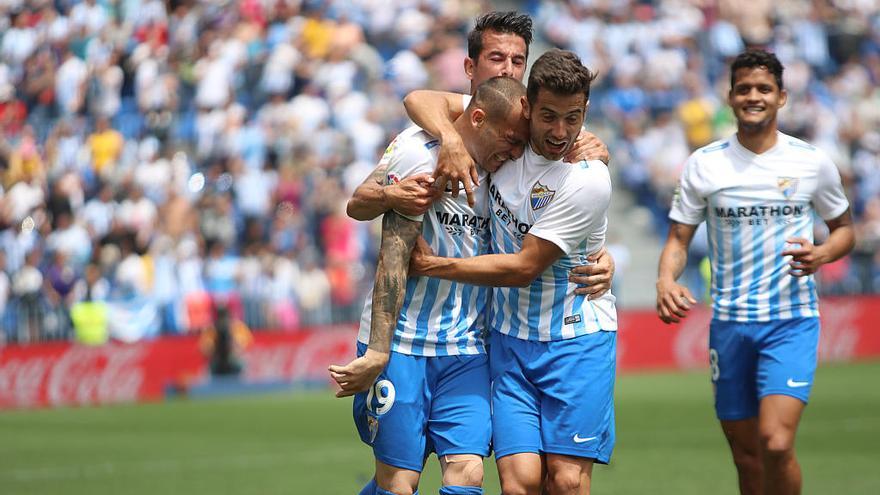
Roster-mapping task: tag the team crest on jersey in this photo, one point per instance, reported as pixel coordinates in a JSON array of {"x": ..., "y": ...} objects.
[
  {"x": 541, "y": 195},
  {"x": 373, "y": 425},
  {"x": 787, "y": 186}
]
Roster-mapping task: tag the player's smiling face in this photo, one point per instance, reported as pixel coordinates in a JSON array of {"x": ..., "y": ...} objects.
[
  {"x": 755, "y": 98},
  {"x": 503, "y": 54},
  {"x": 555, "y": 122}
]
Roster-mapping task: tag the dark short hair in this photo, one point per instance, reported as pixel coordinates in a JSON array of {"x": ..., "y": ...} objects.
[
  {"x": 496, "y": 97},
  {"x": 560, "y": 72},
  {"x": 501, "y": 22},
  {"x": 756, "y": 57}
]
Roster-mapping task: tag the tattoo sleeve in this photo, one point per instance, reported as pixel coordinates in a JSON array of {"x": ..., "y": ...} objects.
[
  {"x": 378, "y": 174},
  {"x": 368, "y": 201},
  {"x": 399, "y": 235}
]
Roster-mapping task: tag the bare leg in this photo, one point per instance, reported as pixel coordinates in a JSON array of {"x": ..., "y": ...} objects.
[
  {"x": 396, "y": 480},
  {"x": 742, "y": 436},
  {"x": 779, "y": 417},
  {"x": 521, "y": 474},
  {"x": 567, "y": 475},
  {"x": 462, "y": 470}
]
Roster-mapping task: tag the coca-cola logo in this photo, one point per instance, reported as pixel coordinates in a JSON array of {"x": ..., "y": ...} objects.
[
  {"x": 302, "y": 361},
  {"x": 21, "y": 380},
  {"x": 839, "y": 335},
  {"x": 691, "y": 344},
  {"x": 79, "y": 375},
  {"x": 85, "y": 375}
]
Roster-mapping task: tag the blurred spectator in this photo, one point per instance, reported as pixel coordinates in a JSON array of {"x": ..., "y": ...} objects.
[
  {"x": 174, "y": 153},
  {"x": 224, "y": 342},
  {"x": 105, "y": 146}
]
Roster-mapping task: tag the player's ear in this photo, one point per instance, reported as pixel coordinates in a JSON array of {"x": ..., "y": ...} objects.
[
  {"x": 478, "y": 118},
  {"x": 525, "y": 106},
  {"x": 469, "y": 68},
  {"x": 783, "y": 97}
]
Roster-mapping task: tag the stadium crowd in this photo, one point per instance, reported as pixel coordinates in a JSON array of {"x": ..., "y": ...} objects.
[{"x": 159, "y": 157}]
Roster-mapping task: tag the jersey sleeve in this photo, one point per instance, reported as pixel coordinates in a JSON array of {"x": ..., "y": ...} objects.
[
  {"x": 688, "y": 204},
  {"x": 829, "y": 199},
  {"x": 580, "y": 209},
  {"x": 405, "y": 158}
]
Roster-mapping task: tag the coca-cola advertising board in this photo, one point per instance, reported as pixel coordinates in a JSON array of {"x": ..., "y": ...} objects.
[
  {"x": 64, "y": 374},
  {"x": 850, "y": 331}
]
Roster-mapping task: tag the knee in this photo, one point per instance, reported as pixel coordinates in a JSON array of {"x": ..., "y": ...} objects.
[
  {"x": 777, "y": 444},
  {"x": 522, "y": 483},
  {"x": 567, "y": 481},
  {"x": 396, "y": 483},
  {"x": 463, "y": 470},
  {"x": 746, "y": 456},
  {"x": 747, "y": 462}
]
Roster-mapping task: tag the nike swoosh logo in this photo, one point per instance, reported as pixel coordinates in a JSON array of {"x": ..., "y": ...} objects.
[
  {"x": 794, "y": 384},
  {"x": 578, "y": 439}
]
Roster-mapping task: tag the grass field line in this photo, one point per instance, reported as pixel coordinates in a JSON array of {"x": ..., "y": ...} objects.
[{"x": 163, "y": 466}]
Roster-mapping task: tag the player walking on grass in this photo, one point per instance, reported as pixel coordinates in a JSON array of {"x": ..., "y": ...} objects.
[{"x": 758, "y": 191}]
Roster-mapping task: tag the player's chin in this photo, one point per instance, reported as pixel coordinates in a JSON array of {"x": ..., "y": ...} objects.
[{"x": 492, "y": 165}]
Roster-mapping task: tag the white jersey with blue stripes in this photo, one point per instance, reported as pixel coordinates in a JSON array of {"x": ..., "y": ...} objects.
[
  {"x": 751, "y": 204},
  {"x": 438, "y": 317},
  {"x": 562, "y": 203}
]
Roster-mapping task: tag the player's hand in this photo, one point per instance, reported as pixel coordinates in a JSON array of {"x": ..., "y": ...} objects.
[
  {"x": 413, "y": 195},
  {"x": 419, "y": 259},
  {"x": 360, "y": 374},
  {"x": 673, "y": 301},
  {"x": 455, "y": 165},
  {"x": 594, "y": 278},
  {"x": 806, "y": 258},
  {"x": 588, "y": 147}
]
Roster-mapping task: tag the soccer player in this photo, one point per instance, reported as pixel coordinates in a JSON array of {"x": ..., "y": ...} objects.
[
  {"x": 498, "y": 45},
  {"x": 552, "y": 351},
  {"x": 758, "y": 191},
  {"x": 422, "y": 337}
]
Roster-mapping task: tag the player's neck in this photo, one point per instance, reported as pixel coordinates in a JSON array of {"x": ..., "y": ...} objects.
[
  {"x": 757, "y": 140},
  {"x": 464, "y": 129}
]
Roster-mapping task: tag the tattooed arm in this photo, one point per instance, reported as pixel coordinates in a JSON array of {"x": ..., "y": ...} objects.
[
  {"x": 411, "y": 196},
  {"x": 399, "y": 235},
  {"x": 673, "y": 299}
]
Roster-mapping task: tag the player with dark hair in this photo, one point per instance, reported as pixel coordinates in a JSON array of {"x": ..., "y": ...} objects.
[
  {"x": 758, "y": 191},
  {"x": 552, "y": 350}
]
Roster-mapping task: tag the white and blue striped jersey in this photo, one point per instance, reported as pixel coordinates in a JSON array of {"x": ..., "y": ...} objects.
[
  {"x": 752, "y": 204},
  {"x": 564, "y": 204},
  {"x": 438, "y": 317}
]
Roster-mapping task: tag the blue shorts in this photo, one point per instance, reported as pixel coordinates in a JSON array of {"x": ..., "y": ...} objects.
[
  {"x": 420, "y": 405},
  {"x": 750, "y": 361},
  {"x": 553, "y": 397}
]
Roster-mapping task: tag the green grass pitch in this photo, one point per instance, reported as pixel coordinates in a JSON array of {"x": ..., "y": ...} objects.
[{"x": 305, "y": 443}]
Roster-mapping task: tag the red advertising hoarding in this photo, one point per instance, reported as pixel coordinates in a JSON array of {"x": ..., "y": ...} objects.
[
  {"x": 850, "y": 331},
  {"x": 65, "y": 374}
]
